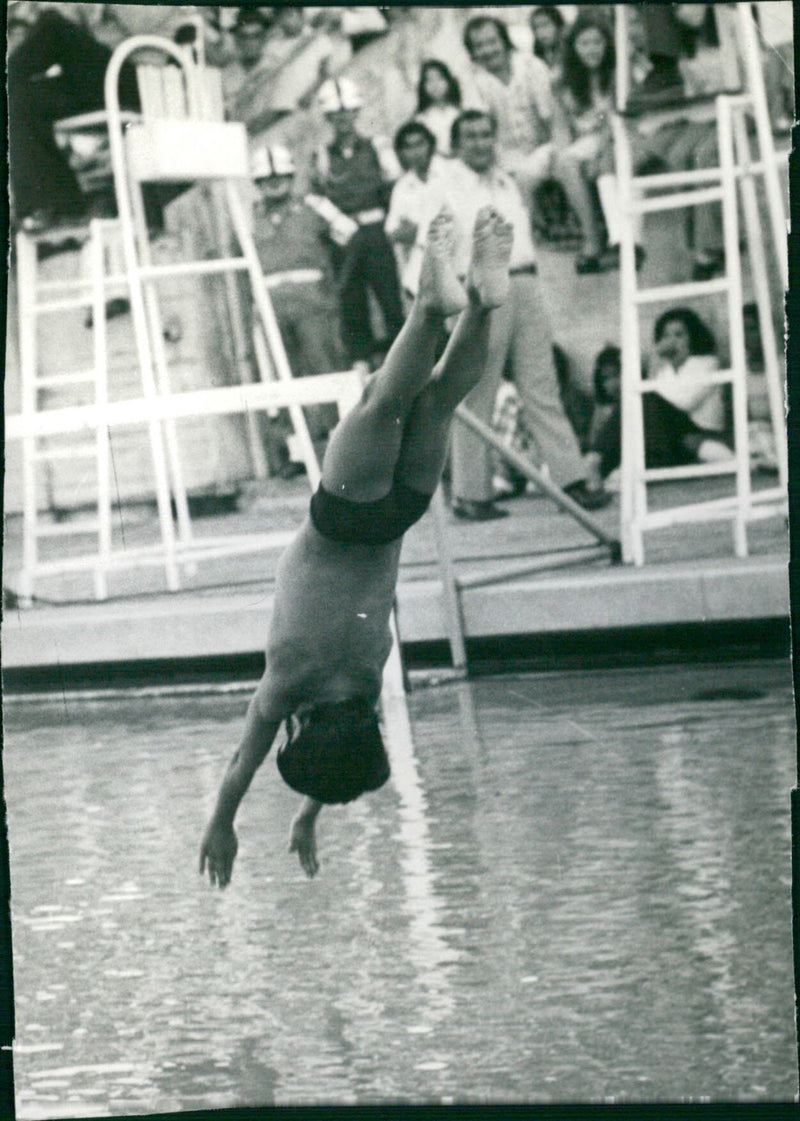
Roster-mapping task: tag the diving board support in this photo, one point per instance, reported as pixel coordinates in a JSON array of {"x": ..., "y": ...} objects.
[
  {"x": 454, "y": 584},
  {"x": 522, "y": 464},
  {"x": 450, "y": 584}
]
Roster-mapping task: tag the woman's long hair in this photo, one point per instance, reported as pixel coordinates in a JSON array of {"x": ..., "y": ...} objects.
[
  {"x": 555, "y": 17},
  {"x": 453, "y": 95},
  {"x": 701, "y": 337},
  {"x": 575, "y": 76}
]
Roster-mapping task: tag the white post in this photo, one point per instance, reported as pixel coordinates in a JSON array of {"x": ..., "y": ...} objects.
[
  {"x": 139, "y": 315},
  {"x": 766, "y": 145},
  {"x": 773, "y": 362},
  {"x": 150, "y": 296},
  {"x": 738, "y": 360},
  {"x": 450, "y": 589},
  {"x": 101, "y": 400},
  {"x": 27, "y": 295},
  {"x": 621, "y": 35},
  {"x": 633, "y": 493}
]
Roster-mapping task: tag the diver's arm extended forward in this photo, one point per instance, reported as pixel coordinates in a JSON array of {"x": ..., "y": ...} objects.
[{"x": 219, "y": 845}]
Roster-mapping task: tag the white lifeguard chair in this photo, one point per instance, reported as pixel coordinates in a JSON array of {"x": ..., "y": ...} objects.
[
  {"x": 674, "y": 190},
  {"x": 178, "y": 137}
]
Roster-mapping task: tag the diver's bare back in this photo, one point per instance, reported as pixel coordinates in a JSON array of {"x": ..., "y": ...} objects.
[{"x": 331, "y": 611}]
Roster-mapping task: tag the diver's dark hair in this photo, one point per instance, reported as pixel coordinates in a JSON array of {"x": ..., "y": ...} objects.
[{"x": 334, "y": 752}]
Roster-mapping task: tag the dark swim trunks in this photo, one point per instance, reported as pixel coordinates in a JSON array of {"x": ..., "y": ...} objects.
[
  {"x": 368, "y": 523},
  {"x": 335, "y": 752}
]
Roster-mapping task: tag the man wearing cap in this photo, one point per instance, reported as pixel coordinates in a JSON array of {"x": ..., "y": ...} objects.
[
  {"x": 520, "y": 335},
  {"x": 351, "y": 181},
  {"x": 290, "y": 239},
  {"x": 244, "y": 75}
]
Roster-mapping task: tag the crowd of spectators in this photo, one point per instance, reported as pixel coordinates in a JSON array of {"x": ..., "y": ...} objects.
[{"x": 525, "y": 130}]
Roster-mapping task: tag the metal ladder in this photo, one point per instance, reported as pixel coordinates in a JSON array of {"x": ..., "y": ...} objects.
[
  {"x": 140, "y": 154},
  {"x": 37, "y": 299},
  {"x": 686, "y": 189}
]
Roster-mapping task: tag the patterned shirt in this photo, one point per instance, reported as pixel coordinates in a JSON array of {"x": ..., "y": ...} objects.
[{"x": 523, "y": 108}]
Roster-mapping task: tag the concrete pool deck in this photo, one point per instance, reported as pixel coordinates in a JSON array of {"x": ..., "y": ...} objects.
[{"x": 691, "y": 578}]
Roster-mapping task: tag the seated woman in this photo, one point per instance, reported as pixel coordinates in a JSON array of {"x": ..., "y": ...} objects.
[
  {"x": 584, "y": 97},
  {"x": 684, "y": 421},
  {"x": 438, "y": 102}
]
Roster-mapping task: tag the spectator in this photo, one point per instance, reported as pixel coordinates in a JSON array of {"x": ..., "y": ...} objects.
[
  {"x": 417, "y": 196},
  {"x": 584, "y": 101},
  {"x": 606, "y": 417},
  {"x": 577, "y": 403},
  {"x": 557, "y": 222},
  {"x": 515, "y": 89},
  {"x": 509, "y": 423},
  {"x": 290, "y": 241},
  {"x": 243, "y": 76},
  {"x": 665, "y": 37},
  {"x": 547, "y": 25},
  {"x": 438, "y": 102},
  {"x": 684, "y": 422},
  {"x": 297, "y": 58},
  {"x": 351, "y": 181},
  {"x": 520, "y": 334},
  {"x": 57, "y": 69},
  {"x": 761, "y": 438},
  {"x": 685, "y": 145}
]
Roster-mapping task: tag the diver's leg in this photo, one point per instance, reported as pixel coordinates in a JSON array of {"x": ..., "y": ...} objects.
[{"x": 361, "y": 458}]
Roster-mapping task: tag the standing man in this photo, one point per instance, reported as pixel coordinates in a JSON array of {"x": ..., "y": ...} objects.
[
  {"x": 520, "y": 335},
  {"x": 417, "y": 197},
  {"x": 351, "y": 179},
  {"x": 243, "y": 77},
  {"x": 516, "y": 89}
]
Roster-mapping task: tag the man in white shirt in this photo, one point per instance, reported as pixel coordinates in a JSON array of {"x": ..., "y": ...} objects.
[
  {"x": 520, "y": 334},
  {"x": 417, "y": 197},
  {"x": 516, "y": 89}
]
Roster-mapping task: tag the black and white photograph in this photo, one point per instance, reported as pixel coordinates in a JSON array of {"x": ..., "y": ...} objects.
[{"x": 397, "y": 685}]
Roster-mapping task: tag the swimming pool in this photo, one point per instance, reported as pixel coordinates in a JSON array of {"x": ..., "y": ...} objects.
[{"x": 577, "y": 888}]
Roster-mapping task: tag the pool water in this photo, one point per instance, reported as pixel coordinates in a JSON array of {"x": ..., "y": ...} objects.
[{"x": 576, "y": 887}]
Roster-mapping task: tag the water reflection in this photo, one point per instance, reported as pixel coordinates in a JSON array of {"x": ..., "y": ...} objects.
[{"x": 576, "y": 887}]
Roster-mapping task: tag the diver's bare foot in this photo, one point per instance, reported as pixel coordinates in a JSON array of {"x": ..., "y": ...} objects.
[
  {"x": 440, "y": 292},
  {"x": 492, "y": 238},
  {"x": 303, "y": 841}
]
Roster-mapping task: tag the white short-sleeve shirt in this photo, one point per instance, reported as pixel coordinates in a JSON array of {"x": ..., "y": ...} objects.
[{"x": 466, "y": 192}]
